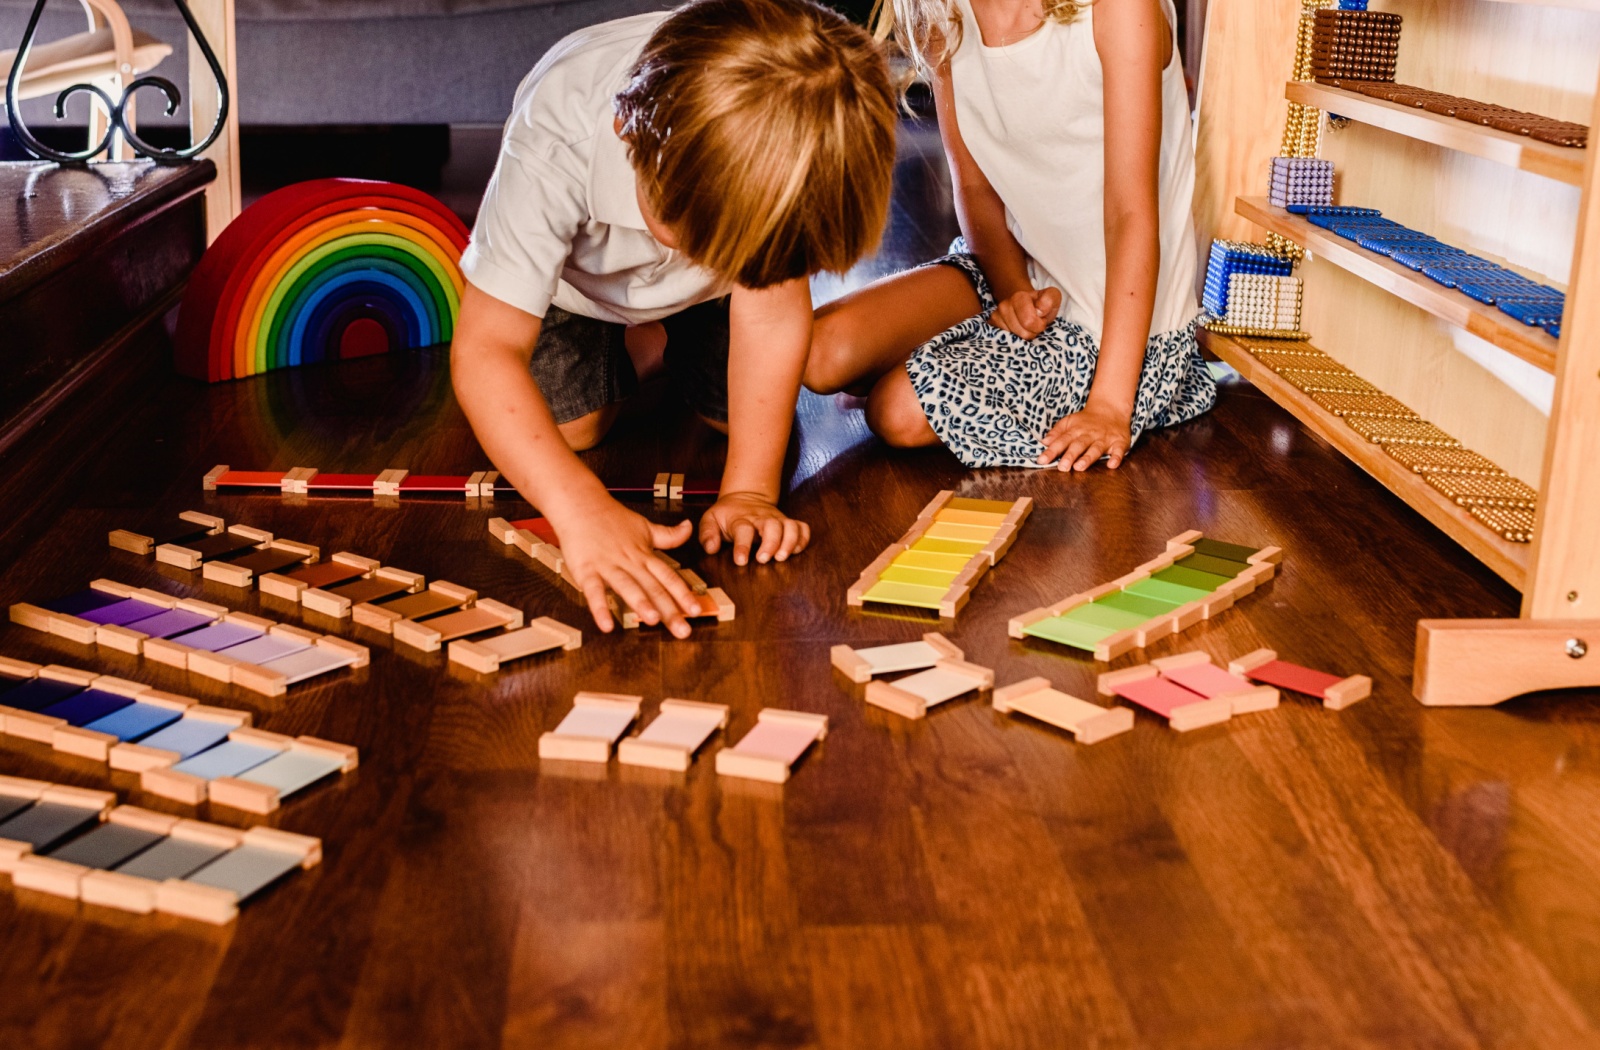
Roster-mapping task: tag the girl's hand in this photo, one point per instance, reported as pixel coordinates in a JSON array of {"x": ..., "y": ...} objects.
[
  {"x": 1082, "y": 438},
  {"x": 1028, "y": 312},
  {"x": 609, "y": 546},
  {"x": 744, "y": 516}
]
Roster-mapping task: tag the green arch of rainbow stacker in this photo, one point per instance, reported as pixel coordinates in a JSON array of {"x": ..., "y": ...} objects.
[{"x": 422, "y": 270}]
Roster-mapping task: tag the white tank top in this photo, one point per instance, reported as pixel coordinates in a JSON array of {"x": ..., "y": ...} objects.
[{"x": 1032, "y": 115}]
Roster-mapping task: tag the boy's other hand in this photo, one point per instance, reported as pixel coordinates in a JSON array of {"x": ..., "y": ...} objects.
[
  {"x": 1028, "y": 312},
  {"x": 1082, "y": 438},
  {"x": 612, "y": 547},
  {"x": 744, "y": 518}
]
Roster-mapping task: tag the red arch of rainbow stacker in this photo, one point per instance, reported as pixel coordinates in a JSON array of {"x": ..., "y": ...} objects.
[{"x": 320, "y": 270}]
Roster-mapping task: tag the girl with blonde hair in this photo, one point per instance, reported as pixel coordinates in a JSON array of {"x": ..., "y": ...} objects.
[{"x": 1061, "y": 326}]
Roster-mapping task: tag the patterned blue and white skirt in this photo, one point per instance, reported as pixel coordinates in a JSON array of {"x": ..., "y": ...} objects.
[{"x": 991, "y": 396}]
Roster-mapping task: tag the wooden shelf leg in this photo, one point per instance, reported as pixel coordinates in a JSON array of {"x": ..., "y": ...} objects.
[
  {"x": 1475, "y": 663},
  {"x": 224, "y": 199}
]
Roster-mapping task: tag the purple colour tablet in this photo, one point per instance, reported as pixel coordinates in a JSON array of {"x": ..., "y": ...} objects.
[
  {"x": 123, "y": 613},
  {"x": 169, "y": 622},
  {"x": 82, "y": 602},
  {"x": 218, "y": 636},
  {"x": 267, "y": 647}
]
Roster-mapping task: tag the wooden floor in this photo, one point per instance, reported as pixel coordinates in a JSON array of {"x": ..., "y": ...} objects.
[{"x": 1388, "y": 876}]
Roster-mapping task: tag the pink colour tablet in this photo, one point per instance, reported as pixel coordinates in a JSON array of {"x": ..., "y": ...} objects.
[{"x": 1157, "y": 695}]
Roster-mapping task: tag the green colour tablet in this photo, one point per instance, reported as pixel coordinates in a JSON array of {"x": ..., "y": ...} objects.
[
  {"x": 1136, "y": 603},
  {"x": 1105, "y": 616},
  {"x": 1164, "y": 591},
  {"x": 1203, "y": 581},
  {"x": 1069, "y": 632},
  {"x": 1214, "y": 566},
  {"x": 1225, "y": 551}
]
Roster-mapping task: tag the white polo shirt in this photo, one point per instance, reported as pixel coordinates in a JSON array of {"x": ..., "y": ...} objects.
[{"x": 560, "y": 222}]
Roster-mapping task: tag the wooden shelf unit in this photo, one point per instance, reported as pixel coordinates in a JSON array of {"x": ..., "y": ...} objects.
[
  {"x": 1508, "y": 560},
  {"x": 1534, "y": 345},
  {"x": 1502, "y": 196},
  {"x": 1562, "y": 163}
]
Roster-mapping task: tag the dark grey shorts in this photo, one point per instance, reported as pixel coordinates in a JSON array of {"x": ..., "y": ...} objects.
[{"x": 581, "y": 364}]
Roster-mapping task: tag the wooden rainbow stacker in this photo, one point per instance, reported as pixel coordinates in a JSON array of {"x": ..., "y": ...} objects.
[{"x": 953, "y": 542}]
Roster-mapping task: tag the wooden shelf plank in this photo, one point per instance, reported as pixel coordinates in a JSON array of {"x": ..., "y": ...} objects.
[
  {"x": 1532, "y": 344},
  {"x": 1576, "y": 5},
  {"x": 1562, "y": 163},
  {"x": 1508, "y": 560}
]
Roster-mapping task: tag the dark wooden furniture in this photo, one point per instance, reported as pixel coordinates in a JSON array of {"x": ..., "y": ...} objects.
[{"x": 90, "y": 260}]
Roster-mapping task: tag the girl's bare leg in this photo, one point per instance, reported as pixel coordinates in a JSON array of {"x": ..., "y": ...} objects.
[
  {"x": 868, "y": 333},
  {"x": 895, "y": 414}
]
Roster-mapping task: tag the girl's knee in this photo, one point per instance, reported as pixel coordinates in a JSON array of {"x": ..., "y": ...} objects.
[
  {"x": 896, "y": 416},
  {"x": 828, "y": 365}
]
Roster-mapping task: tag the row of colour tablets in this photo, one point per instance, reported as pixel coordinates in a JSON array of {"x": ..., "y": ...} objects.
[
  {"x": 940, "y": 673},
  {"x": 1188, "y": 690},
  {"x": 305, "y": 481},
  {"x": 1195, "y": 579},
  {"x": 597, "y": 722},
  {"x": 398, "y": 482},
  {"x": 386, "y": 598},
  {"x": 79, "y": 844},
  {"x": 953, "y": 542},
  {"x": 183, "y": 751},
  {"x": 1191, "y": 691},
  {"x": 535, "y": 538},
  {"x": 199, "y": 637},
  {"x": 405, "y": 605},
  {"x": 195, "y": 540}
]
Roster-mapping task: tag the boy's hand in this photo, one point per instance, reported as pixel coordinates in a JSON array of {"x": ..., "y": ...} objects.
[
  {"x": 613, "y": 547},
  {"x": 1083, "y": 437},
  {"x": 1028, "y": 312},
  {"x": 743, "y": 517}
]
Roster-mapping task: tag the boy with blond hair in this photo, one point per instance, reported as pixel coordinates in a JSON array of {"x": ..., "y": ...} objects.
[{"x": 666, "y": 186}]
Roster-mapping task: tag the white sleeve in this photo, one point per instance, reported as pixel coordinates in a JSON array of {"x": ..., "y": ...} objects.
[{"x": 531, "y": 212}]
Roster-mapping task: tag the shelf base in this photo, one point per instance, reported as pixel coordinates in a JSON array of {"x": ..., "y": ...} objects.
[{"x": 1478, "y": 663}]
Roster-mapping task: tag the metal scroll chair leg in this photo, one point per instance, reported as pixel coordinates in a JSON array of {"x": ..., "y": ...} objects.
[{"x": 119, "y": 108}]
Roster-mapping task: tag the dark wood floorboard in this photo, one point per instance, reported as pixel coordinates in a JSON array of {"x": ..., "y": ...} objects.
[{"x": 1388, "y": 876}]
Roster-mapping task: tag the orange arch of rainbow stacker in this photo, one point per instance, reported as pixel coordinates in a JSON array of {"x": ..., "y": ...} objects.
[{"x": 304, "y": 264}]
